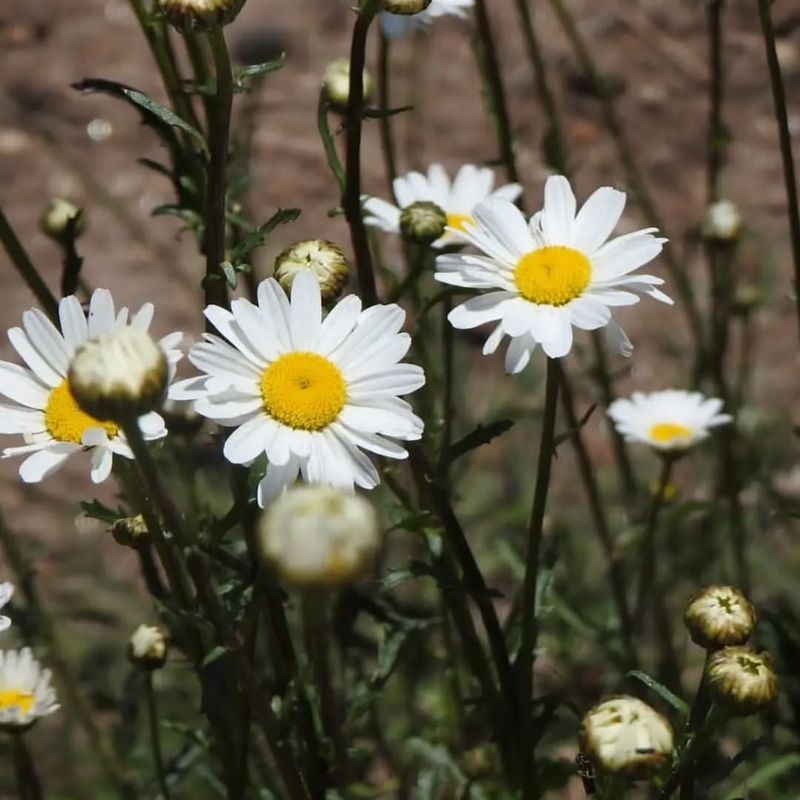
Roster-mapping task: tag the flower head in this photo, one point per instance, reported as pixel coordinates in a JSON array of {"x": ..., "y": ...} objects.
[
  {"x": 311, "y": 394},
  {"x": 336, "y": 82},
  {"x": 319, "y": 537},
  {"x": 626, "y": 736},
  {"x": 6, "y": 590},
  {"x": 545, "y": 276},
  {"x": 670, "y": 421},
  {"x": 147, "y": 647},
  {"x": 398, "y": 24},
  {"x": 324, "y": 258},
  {"x": 719, "y": 616},
  {"x": 25, "y": 690},
  {"x": 741, "y": 680},
  {"x": 56, "y": 218},
  {"x": 185, "y": 14},
  {"x": 457, "y": 198},
  {"x": 46, "y": 414}
]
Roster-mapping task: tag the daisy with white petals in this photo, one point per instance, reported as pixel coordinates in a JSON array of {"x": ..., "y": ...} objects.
[
  {"x": 671, "y": 420},
  {"x": 457, "y": 198},
  {"x": 25, "y": 690},
  {"x": 46, "y": 414},
  {"x": 309, "y": 393},
  {"x": 545, "y": 276},
  {"x": 396, "y": 25},
  {"x": 6, "y": 590}
]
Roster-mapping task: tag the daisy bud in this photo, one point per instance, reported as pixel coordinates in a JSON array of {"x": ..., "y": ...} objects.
[
  {"x": 184, "y": 14},
  {"x": 322, "y": 257},
  {"x": 741, "y": 680},
  {"x": 719, "y": 616},
  {"x": 625, "y": 736},
  {"x": 747, "y": 299},
  {"x": 422, "y": 222},
  {"x": 147, "y": 647},
  {"x": 405, "y": 6},
  {"x": 56, "y": 218},
  {"x": 130, "y": 531},
  {"x": 722, "y": 221},
  {"x": 118, "y": 376},
  {"x": 336, "y": 82},
  {"x": 318, "y": 537}
]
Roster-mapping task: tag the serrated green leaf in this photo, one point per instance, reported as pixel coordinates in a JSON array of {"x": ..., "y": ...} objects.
[
  {"x": 681, "y": 706},
  {"x": 96, "y": 510}
]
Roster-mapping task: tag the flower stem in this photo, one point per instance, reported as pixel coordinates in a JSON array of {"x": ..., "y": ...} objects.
[
  {"x": 530, "y": 631},
  {"x": 387, "y": 139},
  {"x": 155, "y": 734},
  {"x": 28, "y": 785}
]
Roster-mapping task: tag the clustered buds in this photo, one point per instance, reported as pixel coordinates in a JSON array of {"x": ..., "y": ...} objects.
[
  {"x": 322, "y": 257},
  {"x": 58, "y": 216},
  {"x": 185, "y": 14},
  {"x": 423, "y": 222},
  {"x": 405, "y": 6},
  {"x": 336, "y": 83},
  {"x": 147, "y": 647},
  {"x": 719, "y": 616},
  {"x": 741, "y": 680}
]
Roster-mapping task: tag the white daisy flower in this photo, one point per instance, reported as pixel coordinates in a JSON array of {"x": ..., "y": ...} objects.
[
  {"x": 25, "y": 690},
  {"x": 6, "y": 590},
  {"x": 309, "y": 393},
  {"x": 670, "y": 420},
  {"x": 396, "y": 25},
  {"x": 46, "y": 414},
  {"x": 551, "y": 273},
  {"x": 472, "y": 185}
]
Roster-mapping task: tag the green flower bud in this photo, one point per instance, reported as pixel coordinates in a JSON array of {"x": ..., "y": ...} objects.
[
  {"x": 336, "y": 82},
  {"x": 130, "y": 531},
  {"x": 741, "y": 680},
  {"x": 56, "y": 218},
  {"x": 323, "y": 258},
  {"x": 719, "y": 616},
  {"x": 422, "y": 222},
  {"x": 187, "y": 14}
]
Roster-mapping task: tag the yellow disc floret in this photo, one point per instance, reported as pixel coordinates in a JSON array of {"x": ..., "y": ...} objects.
[
  {"x": 552, "y": 276},
  {"x": 303, "y": 391},
  {"x": 65, "y": 422},
  {"x": 13, "y": 698},
  {"x": 664, "y": 432},
  {"x": 459, "y": 221}
]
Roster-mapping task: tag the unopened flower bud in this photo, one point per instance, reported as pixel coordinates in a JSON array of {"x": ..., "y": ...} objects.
[
  {"x": 623, "y": 735},
  {"x": 719, "y": 616},
  {"x": 130, "y": 531},
  {"x": 58, "y": 215},
  {"x": 722, "y": 221},
  {"x": 118, "y": 376},
  {"x": 405, "y": 6},
  {"x": 423, "y": 222},
  {"x": 477, "y": 762},
  {"x": 318, "y": 537},
  {"x": 147, "y": 647},
  {"x": 747, "y": 299},
  {"x": 336, "y": 82},
  {"x": 187, "y": 14},
  {"x": 741, "y": 680},
  {"x": 323, "y": 258}
]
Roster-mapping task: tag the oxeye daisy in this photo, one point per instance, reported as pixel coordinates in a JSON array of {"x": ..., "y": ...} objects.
[
  {"x": 309, "y": 393},
  {"x": 396, "y": 25},
  {"x": 25, "y": 690},
  {"x": 670, "y": 420},
  {"x": 551, "y": 273},
  {"x": 46, "y": 414},
  {"x": 457, "y": 198},
  {"x": 6, "y": 590}
]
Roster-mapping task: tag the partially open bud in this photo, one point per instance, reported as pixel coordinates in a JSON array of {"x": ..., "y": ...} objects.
[
  {"x": 56, "y": 218},
  {"x": 741, "y": 680},
  {"x": 130, "y": 531},
  {"x": 623, "y": 735},
  {"x": 187, "y": 14},
  {"x": 322, "y": 257},
  {"x": 118, "y": 376},
  {"x": 719, "y": 616},
  {"x": 405, "y": 6},
  {"x": 722, "y": 221},
  {"x": 317, "y": 537},
  {"x": 147, "y": 647},
  {"x": 336, "y": 82},
  {"x": 423, "y": 222}
]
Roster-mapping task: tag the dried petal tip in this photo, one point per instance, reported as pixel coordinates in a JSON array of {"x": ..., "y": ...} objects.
[
  {"x": 422, "y": 222},
  {"x": 57, "y": 218},
  {"x": 336, "y": 83},
  {"x": 623, "y": 735},
  {"x": 719, "y": 616},
  {"x": 323, "y": 258},
  {"x": 147, "y": 647},
  {"x": 318, "y": 537},
  {"x": 741, "y": 680},
  {"x": 185, "y": 14},
  {"x": 118, "y": 376},
  {"x": 405, "y": 6},
  {"x": 722, "y": 221}
]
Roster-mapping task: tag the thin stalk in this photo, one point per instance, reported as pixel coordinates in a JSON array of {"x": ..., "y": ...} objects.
[
  {"x": 715, "y": 144},
  {"x": 530, "y": 624},
  {"x": 448, "y": 404},
  {"x": 782, "y": 118},
  {"x": 28, "y": 784},
  {"x": 351, "y": 201},
  {"x": 216, "y": 292},
  {"x": 155, "y": 734},
  {"x": 24, "y": 266},
  {"x": 387, "y": 138},
  {"x": 697, "y": 716}
]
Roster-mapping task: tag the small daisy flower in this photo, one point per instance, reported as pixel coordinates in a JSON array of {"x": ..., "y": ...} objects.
[
  {"x": 25, "y": 690},
  {"x": 309, "y": 393},
  {"x": 6, "y": 590},
  {"x": 457, "y": 198},
  {"x": 671, "y": 420},
  {"x": 46, "y": 414},
  {"x": 396, "y": 25},
  {"x": 545, "y": 276}
]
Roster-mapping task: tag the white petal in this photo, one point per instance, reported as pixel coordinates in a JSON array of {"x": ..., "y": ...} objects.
[
  {"x": 338, "y": 325},
  {"x": 20, "y": 385},
  {"x": 306, "y": 313},
  {"x": 589, "y": 313},
  {"x": 274, "y": 306},
  {"x": 143, "y": 317},
  {"x": 519, "y": 353},
  {"x": 505, "y": 222},
  {"x": 101, "y": 313},
  {"x": 597, "y": 218},
  {"x": 558, "y": 214},
  {"x": 276, "y": 479},
  {"x": 73, "y": 322},
  {"x": 246, "y": 443},
  {"x": 14, "y": 419},
  {"x": 45, "y": 462},
  {"x": 519, "y": 316},
  {"x": 559, "y": 341},
  {"x": 625, "y": 254},
  {"x": 381, "y": 214},
  {"x": 47, "y": 340},
  {"x": 479, "y": 310},
  {"x": 102, "y": 460},
  {"x": 33, "y": 358},
  {"x": 402, "y": 379}
]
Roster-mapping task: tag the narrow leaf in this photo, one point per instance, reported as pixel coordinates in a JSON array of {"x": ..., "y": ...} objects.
[
  {"x": 482, "y": 435},
  {"x": 251, "y": 70},
  {"x": 681, "y": 706}
]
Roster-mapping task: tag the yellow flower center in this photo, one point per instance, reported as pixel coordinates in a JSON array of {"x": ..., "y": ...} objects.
[
  {"x": 459, "y": 221},
  {"x": 552, "y": 276},
  {"x": 303, "y": 390},
  {"x": 664, "y": 432},
  {"x": 13, "y": 698},
  {"x": 66, "y": 422}
]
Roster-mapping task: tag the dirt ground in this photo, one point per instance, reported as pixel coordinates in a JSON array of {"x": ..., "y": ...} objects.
[{"x": 657, "y": 51}]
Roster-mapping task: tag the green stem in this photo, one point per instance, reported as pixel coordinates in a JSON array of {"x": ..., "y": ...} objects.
[
  {"x": 387, "y": 139},
  {"x": 155, "y": 735},
  {"x": 782, "y": 118},
  {"x": 28, "y": 784},
  {"x": 529, "y": 633}
]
